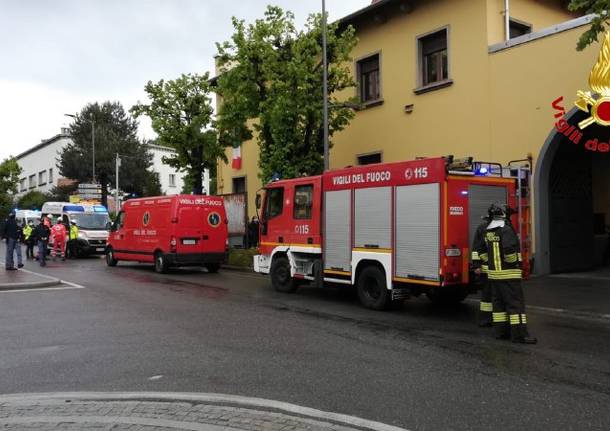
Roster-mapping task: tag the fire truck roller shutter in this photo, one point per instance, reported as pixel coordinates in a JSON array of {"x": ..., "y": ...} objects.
[
  {"x": 479, "y": 200},
  {"x": 337, "y": 235},
  {"x": 373, "y": 217},
  {"x": 418, "y": 231}
]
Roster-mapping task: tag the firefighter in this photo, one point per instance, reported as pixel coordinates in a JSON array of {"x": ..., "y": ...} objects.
[
  {"x": 504, "y": 275},
  {"x": 59, "y": 234},
  {"x": 29, "y": 240},
  {"x": 479, "y": 262},
  {"x": 73, "y": 240}
]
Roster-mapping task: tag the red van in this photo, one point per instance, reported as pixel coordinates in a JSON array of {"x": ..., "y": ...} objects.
[{"x": 182, "y": 230}]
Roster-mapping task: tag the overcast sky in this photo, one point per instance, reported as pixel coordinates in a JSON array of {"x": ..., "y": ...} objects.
[{"x": 56, "y": 56}]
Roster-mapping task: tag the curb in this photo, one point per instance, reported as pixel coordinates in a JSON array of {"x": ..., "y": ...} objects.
[
  {"x": 238, "y": 268},
  {"x": 234, "y": 400},
  {"x": 30, "y": 284}
]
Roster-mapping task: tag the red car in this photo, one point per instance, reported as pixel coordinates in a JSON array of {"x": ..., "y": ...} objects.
[{"x": 182, "y": 230}]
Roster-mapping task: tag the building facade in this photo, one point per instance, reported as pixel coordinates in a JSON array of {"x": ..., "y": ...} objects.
[
  {"x": 470, "y": 78},
  {"x": 40, "y": 168}
]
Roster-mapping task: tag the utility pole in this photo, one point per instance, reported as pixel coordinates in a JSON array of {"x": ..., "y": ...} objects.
[
  {"x": 117, "y": 164},
  {"x": 93, "y": 147},
  {"x": 325, "y": 85}
]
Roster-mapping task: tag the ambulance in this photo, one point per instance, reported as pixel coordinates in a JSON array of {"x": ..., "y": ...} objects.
[
  {"x": 181, "y": 230},
  {"x": 92, "y": 221},
  {"x": 391, "y": 230}
]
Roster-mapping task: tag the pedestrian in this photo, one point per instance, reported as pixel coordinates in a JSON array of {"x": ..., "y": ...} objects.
[
  {"x": 59, "y": 235},
  {"x": 41, "y": 235},
  {"x": 480, "y": 265},
  {"x": 253, "y": 232},
  {"x": 13, "y": 234},
  {"x": 29, "y": 240},
  {"x": 73, "y": 240},
  {"x": 505, "y": 277}
]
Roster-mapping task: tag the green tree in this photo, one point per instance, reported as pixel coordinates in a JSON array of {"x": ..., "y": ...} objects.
[
  {"x": 181, "y": 113},
  {"x": 599, "y": 23},
  {"x": 9, "y": 183},
  {"x": 61, "y": 193},
  {"x": 271, "y": 77},
  {"x": 32, "y": 200},
  {"x": 152, "y": 185},
  {"x": 115, "y": 132}
]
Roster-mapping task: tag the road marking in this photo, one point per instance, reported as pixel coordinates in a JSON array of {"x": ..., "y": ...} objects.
[
  {"x": 39, "y": 289},
  {"x": 155, "y": 377}
]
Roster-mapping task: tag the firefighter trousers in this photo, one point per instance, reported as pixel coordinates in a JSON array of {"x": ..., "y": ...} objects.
[
  {"x": 509, "y": 318},
  {"x": 485, "y": 305}
]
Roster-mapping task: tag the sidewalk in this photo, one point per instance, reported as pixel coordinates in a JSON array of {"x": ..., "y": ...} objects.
[
  {"x": 583, "y": 292},
  {"x": 168, "y": 411}
]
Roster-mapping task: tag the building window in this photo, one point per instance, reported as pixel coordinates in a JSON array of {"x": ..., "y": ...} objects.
[
  {"x": 239, "y": 185},
  {"x": 369, "y": 79},
  {"x": 23, "y": 184},
  {"x": 172, "y": 180},
  {"x": 369, "y": 159},
  {"x": 32, "y": 181},
  {"x": 303, "y": 201},
  {"x": 275, "y": 202},
  {"x": 434, "y": 66},
  {"x": 51, "y": 175},
  {"x": 42, "y": 178},
  {"x": 518, "y": 28}
]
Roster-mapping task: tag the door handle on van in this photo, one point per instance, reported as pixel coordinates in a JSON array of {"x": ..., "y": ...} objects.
[{"x": 205, "y": 237}]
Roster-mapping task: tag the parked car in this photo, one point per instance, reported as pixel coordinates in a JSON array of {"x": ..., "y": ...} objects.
[{"x": 182, "y": 230}]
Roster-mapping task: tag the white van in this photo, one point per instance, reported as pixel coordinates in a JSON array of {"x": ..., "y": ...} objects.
[
  {"x": 92, "y": 221},
  {"x": 25, "y": 216}
]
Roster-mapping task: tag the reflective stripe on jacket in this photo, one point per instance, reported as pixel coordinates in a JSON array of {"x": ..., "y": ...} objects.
[{"x": 502, "y": 250}]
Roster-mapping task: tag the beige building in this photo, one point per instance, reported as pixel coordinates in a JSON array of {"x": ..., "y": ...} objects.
[{"x": 470, "y": 78}]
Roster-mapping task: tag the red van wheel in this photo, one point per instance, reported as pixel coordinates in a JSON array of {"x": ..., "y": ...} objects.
[
  {"x": 160, "y": 263},
  {"x": 110, "y": 260}
]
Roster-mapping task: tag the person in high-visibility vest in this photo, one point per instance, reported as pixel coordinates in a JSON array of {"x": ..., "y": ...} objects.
[
  {"x": 73, "y": 240},
  {"x": 59, "y": 234},
  {"x": 480, "y": 264},
  {"x": 504, "y": 275},
  {"x": 28, "y": 239}
]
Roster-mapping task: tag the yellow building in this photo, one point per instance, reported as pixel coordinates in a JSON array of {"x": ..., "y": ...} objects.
[{"x": 457, "y": 77}]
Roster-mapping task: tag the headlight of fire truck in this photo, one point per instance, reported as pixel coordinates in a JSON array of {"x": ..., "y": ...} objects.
[{"x": 82, "y": 235}]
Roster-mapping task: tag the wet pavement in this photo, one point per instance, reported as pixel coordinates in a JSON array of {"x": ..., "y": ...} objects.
[{"x": 417, "y": 367}]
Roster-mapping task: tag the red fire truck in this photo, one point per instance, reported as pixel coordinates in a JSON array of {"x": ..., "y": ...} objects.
[{"x": 392, "y": 230}]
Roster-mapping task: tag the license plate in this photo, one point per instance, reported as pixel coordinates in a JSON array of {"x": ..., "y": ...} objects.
[
  {"x": 189, "y": 241},
  {"x": 100, "y": 249}
]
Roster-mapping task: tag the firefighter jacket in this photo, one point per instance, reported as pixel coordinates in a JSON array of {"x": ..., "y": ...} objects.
[
  {"x": 478, "y": 244},
  {"x": 73, "y": 232},
  {"x": 501, "y": 251}
]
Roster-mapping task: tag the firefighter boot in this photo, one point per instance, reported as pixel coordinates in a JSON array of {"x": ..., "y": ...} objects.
[
  {"x": 518, "y": 330},
  {"x": 485, "y": 314},
  {"x": 500, "y": 324}
]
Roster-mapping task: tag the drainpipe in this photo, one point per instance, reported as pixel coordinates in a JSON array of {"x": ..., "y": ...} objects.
[{"x": 507, "y": 20}]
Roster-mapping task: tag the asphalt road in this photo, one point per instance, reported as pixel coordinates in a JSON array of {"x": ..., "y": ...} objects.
[{"x": 419, "y": 366}]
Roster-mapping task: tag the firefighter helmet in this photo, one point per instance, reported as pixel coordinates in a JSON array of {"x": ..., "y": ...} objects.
[{"x": 496, "y": 212}]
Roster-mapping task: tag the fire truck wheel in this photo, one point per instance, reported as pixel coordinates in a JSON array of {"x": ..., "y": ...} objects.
[
  {"x": 160, "y": 263},
  {"x": 110, "y": 260},
  {"x": 372, "y": 289},
  {"x": 212, "y": 267},
  {"x": 280, "y": 275}
]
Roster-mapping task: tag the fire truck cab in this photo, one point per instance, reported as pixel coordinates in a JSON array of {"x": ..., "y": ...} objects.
[{"x": 392, "y": 230}]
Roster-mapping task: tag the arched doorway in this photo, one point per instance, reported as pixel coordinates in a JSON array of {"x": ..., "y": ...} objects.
[{"x": 572, "y": 201}]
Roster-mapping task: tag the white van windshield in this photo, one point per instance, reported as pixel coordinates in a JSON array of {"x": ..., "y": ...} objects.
[{"x": 95, "y": 221}]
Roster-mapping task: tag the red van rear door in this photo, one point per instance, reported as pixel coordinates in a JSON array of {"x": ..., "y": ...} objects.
[
  {"x": 215, "y": 226},
  {"x": 189, "y": 232}
]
